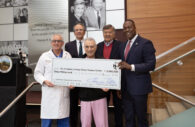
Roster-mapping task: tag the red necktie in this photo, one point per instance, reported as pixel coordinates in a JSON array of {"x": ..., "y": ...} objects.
[{"x": 127, "y": 49}]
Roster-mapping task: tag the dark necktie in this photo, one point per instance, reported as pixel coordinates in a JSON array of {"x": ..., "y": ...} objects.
[
  {"x": 80, "y": 49},
  {"x": 127, "y": 49},
  {"x": 98, "y": 16}
]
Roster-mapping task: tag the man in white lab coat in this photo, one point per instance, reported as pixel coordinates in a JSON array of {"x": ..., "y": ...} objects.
[{"x": 55, "y": 102}]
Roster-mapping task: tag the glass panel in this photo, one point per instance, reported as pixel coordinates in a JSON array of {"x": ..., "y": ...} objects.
[
  {"x": 178, "y": 77},
  {"x": 175, "y": 72},
  {"x": 176, "y": 52}
]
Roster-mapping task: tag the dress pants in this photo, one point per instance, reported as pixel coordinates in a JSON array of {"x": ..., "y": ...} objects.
[
  {"x": 74, "y": 98},
  {"x": 135, "y": 109},
  {"x": 60, "y": 122},
  {"x": 98, "y": 109},
  {"x": 118, "y": 112}
]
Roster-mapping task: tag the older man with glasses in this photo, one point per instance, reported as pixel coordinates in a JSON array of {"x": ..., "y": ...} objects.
[{"x": 55, "y": 102}]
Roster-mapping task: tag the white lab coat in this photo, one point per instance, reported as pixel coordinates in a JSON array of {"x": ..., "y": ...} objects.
[{"x": 55, "y": 102}]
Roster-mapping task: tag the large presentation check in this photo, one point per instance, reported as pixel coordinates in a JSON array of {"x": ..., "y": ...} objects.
[{"x": 90, "y": 73}]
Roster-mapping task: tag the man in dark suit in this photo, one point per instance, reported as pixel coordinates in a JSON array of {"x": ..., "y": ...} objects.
[
  {"x": 138, "y": 59},
  {"x": 108, "y": 49},
  {"x": 75, "y": 48}
]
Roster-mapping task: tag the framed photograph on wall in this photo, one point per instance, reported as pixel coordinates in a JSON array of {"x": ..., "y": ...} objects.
[
  {"x": 12, "y": 48},
  {"x": 91, "y": 13},
  {"x": 21, "y": 14},
  {"x": 94, "y": 15},
  {"x": 20, "y": 3}
]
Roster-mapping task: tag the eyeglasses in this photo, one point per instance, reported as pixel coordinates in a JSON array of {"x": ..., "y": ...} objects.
[{"x": 58, "y": 41}]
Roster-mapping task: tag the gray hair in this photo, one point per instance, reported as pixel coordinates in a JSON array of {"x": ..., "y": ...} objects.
[
  {"x": 109, "y": 26},
  {"x": 90, "y": 39},
  {"x": 57, "y": 35}
]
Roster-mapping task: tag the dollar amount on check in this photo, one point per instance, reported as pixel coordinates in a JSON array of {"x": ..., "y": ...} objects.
[{"x": 89, "y": 73}]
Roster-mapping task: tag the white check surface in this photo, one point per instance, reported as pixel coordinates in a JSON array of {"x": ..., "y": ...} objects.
[{"x": 90, "y": 73}]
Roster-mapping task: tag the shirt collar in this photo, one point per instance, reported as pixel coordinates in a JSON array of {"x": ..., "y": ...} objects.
[
  {"x": 78, "y": 44},
  {"x": 108, "y": 43},
  {"x": 60, "y": 56},
  {"x": 77, "y": 17},
  {"x": 133, "y": 39},
  {"x": 96, "y": 12},
  {"x": 78, "y": 41}
]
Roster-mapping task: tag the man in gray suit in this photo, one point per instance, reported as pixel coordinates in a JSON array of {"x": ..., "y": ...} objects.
[{"x": 95, "y": 15}]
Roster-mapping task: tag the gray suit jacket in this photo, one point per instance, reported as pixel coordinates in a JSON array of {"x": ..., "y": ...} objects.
[{"x": 91, "y": 19}]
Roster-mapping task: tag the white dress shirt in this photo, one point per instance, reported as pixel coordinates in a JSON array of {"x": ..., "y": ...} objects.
[
  {"x": 78, "y": 45},
  {"x": 132, "y": 41}
]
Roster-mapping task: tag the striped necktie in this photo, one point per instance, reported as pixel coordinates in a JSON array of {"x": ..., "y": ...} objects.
[{"x": 127, "y": 49}]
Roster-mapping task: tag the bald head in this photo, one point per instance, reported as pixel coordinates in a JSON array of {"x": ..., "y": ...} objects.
[{"x": 90, "y": 47}]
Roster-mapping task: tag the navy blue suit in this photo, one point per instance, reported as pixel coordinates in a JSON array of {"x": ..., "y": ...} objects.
[
  {"x": 71, "y": 47},
  {"x": 116, "y": 101},
  {"x": 137, "y": 84}
]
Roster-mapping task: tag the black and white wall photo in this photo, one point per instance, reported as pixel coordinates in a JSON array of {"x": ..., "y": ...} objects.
[
  {"x": 6, "y": 3},
  {"x": 91, "y": 13},
  {"x": 12, "y": 48},
  {"x": 17, "y": 25},
  {"x": 20, "y": 3},
  {"x": 94, "y": 14},
  {"x": 13, "y": 26},
  {"x": 20, "y": 14}
]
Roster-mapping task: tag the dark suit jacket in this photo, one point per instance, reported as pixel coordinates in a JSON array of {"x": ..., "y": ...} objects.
[
  {"x": 142, "y": 55},
  {"x": 114, "y": 52},
  {"x": 71, "y": 47}
]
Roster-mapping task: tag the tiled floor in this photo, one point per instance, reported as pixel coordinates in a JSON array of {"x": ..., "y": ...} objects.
[
  {"x": 33, "y": 117},
  {"x": 33, "y": 112}
]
